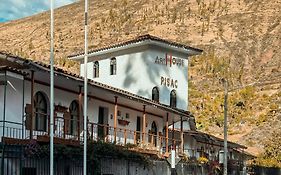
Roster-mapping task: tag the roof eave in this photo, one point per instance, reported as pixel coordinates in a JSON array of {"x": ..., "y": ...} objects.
[
  {"x": 109, "y": 52},
  {"x": 113, "y": 52}
]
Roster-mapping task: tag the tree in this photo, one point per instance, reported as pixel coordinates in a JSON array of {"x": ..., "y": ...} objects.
[{"x": 272, "y": 154}]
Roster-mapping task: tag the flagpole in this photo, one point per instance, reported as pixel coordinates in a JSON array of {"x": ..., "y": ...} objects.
[
  {"x": 52, "y": 91},
  {"x": 225, "y": 82},
  {"x": 85, "y": 89}
]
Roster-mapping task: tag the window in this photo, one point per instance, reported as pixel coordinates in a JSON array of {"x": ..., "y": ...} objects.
[
  {"x": 113, "y": 66},
  {"x": 127, "y": 115},
  {"x": 40, "y": 107},
  {"x": 96, "y": 69},
  {"x": 155, "y": 94},
  {"x": 173, "y": 99},
  {"x": 74, "y": 113}
]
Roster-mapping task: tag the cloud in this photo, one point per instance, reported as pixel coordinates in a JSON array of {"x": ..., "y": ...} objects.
[{"x": 15, "y": 9}]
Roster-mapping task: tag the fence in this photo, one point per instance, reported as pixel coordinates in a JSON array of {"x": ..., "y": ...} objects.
[{"x": 15, "y": 162}]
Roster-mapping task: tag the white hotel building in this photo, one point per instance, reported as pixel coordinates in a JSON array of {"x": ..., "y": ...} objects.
[{"x": 137, "y": 91}]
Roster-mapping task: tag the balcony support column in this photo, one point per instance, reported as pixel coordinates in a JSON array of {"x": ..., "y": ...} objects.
[
  {"x": 167, "y": 133},
  {"x": 5, "y": 101},
  {"x": 79, "y": 112},
  {"x": 115, "y": 118},
  {"x": 143, "y": 125},
  {"x": 182, "y": 141},
  {"x": 23, "y": 95},
  {"x": 173, "y": 135},
  {"x": 32, "y": 104}
]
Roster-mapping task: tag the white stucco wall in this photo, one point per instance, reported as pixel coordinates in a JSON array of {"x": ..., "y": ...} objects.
[
  {"x": 138, "y": 73},
  {"x": 15, "y": 107},
  {"x": 13, "y": 104},
  {"x": 14, "y": 98}
]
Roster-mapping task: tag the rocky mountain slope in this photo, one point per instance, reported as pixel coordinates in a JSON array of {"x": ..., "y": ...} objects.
[{"x": 241, "y": 40}]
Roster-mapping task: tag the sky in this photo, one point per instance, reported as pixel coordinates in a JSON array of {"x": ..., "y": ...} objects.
[{"x": 15, "y": 9}]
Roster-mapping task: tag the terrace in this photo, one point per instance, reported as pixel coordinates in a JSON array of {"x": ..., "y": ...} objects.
[{"x": 145, "y": 142}]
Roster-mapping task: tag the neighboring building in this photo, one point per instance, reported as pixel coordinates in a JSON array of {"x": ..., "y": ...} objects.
[{"x": 137, "y": 94}]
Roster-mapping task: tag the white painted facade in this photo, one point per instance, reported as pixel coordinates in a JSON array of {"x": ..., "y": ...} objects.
[
  {"x": 140, "y": 71},
  {"x": 14, "y": 116}
]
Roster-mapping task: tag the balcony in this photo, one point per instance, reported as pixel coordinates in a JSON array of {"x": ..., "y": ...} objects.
[{"x": 69, "y": 132}]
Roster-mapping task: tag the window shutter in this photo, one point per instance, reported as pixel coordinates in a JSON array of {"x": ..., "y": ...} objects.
[
  {"x": 67, "y": 118},
  {"x": 28, "y": 111}
]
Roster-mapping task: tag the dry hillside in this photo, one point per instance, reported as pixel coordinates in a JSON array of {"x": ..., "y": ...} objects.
[{"x": 241, "y": 40}]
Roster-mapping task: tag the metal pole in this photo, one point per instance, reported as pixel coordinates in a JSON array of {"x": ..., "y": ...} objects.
[
  {"x": 5, "y": 101},
  {"x": 187, "y": 96},
  {"x": 85, "y": 89},
  {"x": 52, "y": 92},
  {"x": 225, "y": 126}
]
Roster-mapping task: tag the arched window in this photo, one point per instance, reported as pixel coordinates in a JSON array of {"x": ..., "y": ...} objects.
[
  {"x": 173, "y": 99},
  {"x": 74, "y": 116},
  {"x": 155, "y": 94},
  {"x": 96, "y": 69},
  {"x": 41, "y": 109},
  {"x": 113, "y": 66}
]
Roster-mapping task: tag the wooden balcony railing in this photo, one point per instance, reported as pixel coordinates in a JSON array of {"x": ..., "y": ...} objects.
[{"x": 70, "y": 130}]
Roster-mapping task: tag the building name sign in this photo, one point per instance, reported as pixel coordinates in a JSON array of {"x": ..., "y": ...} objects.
[
  {"x": 169, "y": 60},
  {"x": 169, "y": 82}
]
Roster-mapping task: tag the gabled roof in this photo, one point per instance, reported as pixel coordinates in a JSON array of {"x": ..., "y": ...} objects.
[
  {"x": 144, "y": 39},
  {"x": 35, "y": 65},
  {"x": 210, "y": 139}
]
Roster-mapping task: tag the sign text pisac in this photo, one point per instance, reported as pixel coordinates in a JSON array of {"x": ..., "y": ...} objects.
[{"x": 169, "y": 82}]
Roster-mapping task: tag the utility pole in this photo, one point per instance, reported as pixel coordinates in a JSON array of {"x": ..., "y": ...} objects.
[
  {"x": 225, "y": 126},
  {"x": 85, "y": 89},
  {"x": 52, "y": 91}
]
